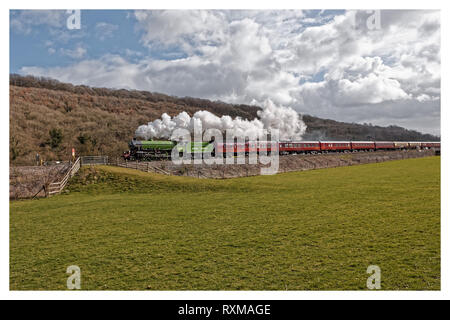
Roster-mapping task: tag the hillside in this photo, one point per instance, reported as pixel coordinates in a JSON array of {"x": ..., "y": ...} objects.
[
  {"x": 326, "y": 129},
  {"x": 50, "y": 118}
]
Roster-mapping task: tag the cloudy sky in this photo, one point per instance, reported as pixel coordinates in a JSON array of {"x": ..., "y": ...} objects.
[{"x": 381, "y": 68}]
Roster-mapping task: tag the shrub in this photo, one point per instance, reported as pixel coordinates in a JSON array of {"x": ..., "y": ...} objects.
[
  {"x": 14, "y": 147},
  {"x": 56, "y": 137}
]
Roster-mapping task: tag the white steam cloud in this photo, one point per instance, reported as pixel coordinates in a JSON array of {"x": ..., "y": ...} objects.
[{"x": 285, "y": 119}]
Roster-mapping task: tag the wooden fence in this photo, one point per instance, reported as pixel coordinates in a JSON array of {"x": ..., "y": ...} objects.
[
  {"x": 142, "y": 166},
  {"x": 57, "y": 187},
  {"x": 94, "y": 160}
]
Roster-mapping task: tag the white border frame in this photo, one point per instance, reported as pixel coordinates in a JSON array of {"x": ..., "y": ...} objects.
[{"x": 217, "y": 295}]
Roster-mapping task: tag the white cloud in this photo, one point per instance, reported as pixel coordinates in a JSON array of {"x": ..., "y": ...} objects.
[
  {"x": 181, "y": 28},
  {"x": 361, "y": 81},
  {"x": 317, "y": 64},
  {"x": 105, "y": 30},
  {"x": 23, "y": 21},
  {"x": 131, "y": 53},
  {"x": 77, "y": 53}
]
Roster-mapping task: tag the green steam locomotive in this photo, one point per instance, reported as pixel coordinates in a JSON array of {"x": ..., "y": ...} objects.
[{"x": 155, "y": 149}]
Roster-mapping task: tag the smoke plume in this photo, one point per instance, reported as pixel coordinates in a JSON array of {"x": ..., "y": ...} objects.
[{"x": 285, "y": 119}]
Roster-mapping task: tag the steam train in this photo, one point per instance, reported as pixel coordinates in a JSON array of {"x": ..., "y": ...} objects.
[{"x": 155, "y": 149}]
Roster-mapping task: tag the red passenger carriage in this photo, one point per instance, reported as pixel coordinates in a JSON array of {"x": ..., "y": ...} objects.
[
  {"x": 330, "y": 146},
  {"x": 384, "y": 145},
  {"x": 362, "y": 145},
  {"x": 299, "y": 147}
]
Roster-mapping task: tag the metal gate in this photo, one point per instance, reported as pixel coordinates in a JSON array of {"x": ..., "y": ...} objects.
[{"x": 94, "y": 160}]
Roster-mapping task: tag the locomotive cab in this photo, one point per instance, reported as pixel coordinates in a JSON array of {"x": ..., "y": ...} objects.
[{"x": 126, "y": 155}]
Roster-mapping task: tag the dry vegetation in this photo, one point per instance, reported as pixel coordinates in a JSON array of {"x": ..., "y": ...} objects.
[
  {"x": 288, "y": 163},
  {"x": 90, "y": 122},
  {"x": 101, "y": 121},
  {"x": 326, "y": 129},
  {"x": 29, "y": 181}
]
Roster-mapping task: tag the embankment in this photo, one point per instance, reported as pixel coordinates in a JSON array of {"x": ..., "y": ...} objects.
[{"x": 287, "y": 163}]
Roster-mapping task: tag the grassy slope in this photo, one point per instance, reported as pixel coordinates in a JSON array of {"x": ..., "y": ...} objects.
[{"x": 308, "y": 230}]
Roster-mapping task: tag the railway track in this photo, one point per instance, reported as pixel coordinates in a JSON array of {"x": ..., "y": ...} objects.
[{"x": 287, "y": 163}]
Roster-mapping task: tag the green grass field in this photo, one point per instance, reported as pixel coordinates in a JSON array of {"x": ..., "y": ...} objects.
[{"x": 313, "y": 230}]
